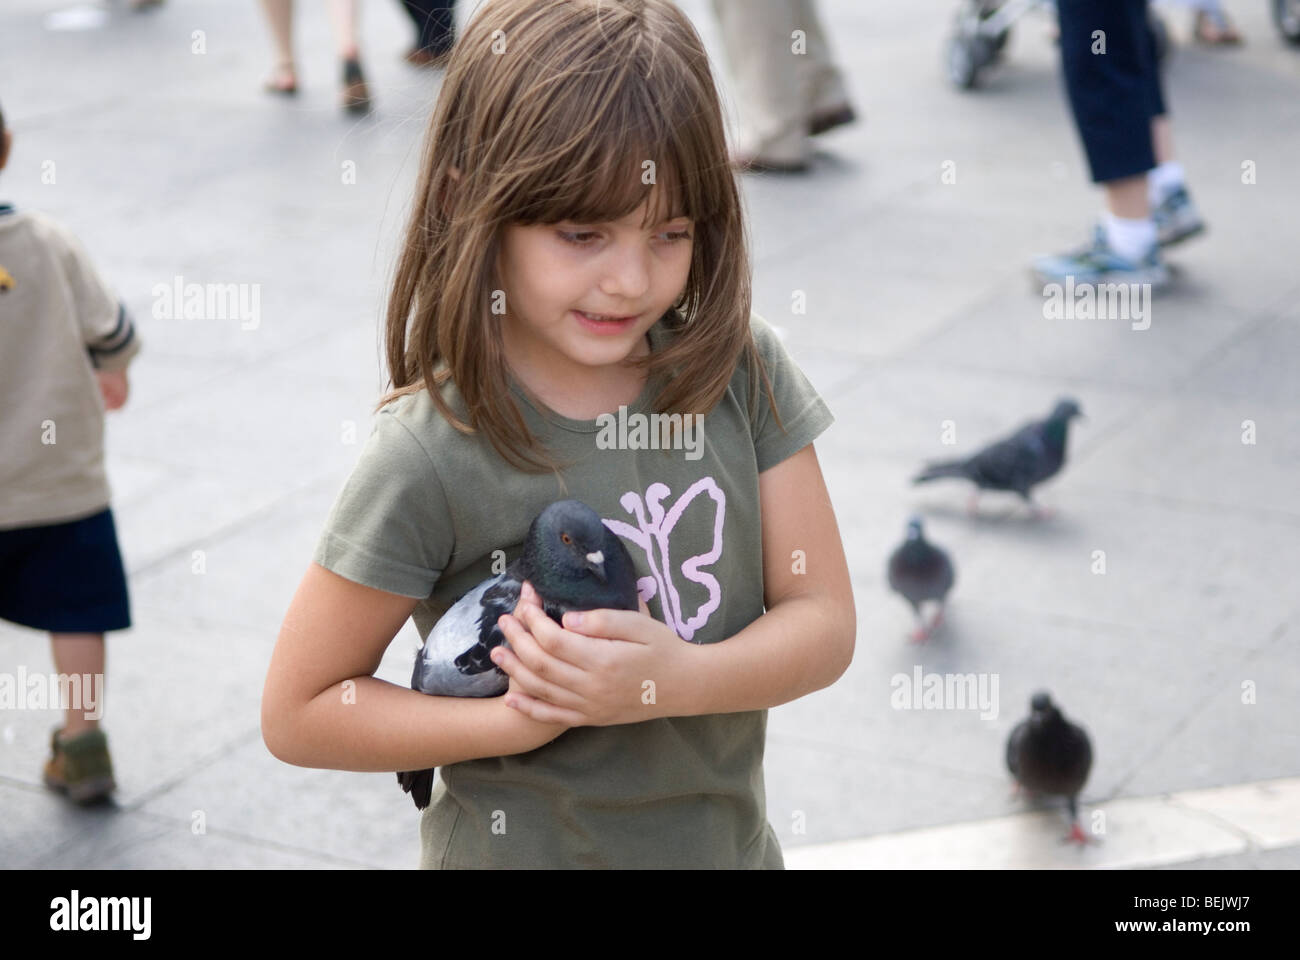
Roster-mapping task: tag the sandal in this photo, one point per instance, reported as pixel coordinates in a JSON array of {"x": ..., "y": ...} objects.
[
  {"x": 1212, "y": 29},
  {"x": 356, "y": 96},
  {"x": 283, "y": 81}
]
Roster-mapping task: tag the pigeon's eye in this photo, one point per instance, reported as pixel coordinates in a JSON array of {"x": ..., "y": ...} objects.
[{"x": 565, "y": 537}]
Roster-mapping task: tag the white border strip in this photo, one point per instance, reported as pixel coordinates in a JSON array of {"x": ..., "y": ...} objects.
[{"x": 1137, "y": 832}]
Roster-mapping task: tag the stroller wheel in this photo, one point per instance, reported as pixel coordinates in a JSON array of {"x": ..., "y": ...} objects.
[
  {"x": 1286, "y": 15},
  {"x": 966, "y": 56}
]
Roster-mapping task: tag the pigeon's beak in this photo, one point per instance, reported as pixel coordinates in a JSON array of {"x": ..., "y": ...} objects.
[{"x": 596, "y": 564}]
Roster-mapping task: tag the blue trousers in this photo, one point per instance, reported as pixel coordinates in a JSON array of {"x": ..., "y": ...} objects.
[{"x": 1113, "y": 94}]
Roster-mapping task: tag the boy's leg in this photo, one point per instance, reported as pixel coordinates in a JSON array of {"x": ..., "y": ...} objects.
[
  {"x": 1113, "y": 86},
  {"x": 82, "y": 654}
]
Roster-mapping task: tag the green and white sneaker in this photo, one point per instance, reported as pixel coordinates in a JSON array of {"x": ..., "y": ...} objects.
[
  {"x": 1098, "y": 263},
  {"x": 1176, "y": 217}
]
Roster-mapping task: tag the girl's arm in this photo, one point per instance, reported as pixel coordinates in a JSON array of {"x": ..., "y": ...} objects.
[
  {"x": 322, "y": 707},
  {"x": 805, "y": 640}
]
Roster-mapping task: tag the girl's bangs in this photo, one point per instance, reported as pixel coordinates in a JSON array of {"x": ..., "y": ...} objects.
[{"x": 635, "y": 153}]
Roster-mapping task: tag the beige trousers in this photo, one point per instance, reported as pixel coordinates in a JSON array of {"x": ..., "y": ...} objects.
[{"x": 777, "y": 89}]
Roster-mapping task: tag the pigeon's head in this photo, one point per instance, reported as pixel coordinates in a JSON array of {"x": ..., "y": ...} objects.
[
  {"x": 1042, "y": 709},
  {"x": 568, "y": 540},
  {"x": 1066, "y": 409},
  {"x": 914, "y": 531}
]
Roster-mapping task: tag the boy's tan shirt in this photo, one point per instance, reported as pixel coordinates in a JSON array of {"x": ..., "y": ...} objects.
[{"x": 59, "y": 323}]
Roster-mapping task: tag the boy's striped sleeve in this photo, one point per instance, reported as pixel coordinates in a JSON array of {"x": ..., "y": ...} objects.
[
  {"x": 107, "y": 329},
  {"x": 114, "y": 350}
]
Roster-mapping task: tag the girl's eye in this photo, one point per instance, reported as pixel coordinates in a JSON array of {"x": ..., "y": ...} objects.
[{"x": 583, "y": 238}]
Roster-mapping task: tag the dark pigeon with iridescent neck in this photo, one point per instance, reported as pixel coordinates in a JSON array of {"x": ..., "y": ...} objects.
[
  {"x": 1034, "y": 453},
  {"x": 1048, "y": 754},
  {"x": 921, "y": 573},
  {"x": 573, "y": 561}
]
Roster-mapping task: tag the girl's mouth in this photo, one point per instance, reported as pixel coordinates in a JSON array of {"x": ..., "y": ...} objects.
[{"x": 602, "y": 324}]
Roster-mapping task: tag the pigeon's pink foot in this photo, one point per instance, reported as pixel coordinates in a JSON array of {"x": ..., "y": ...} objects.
[
  {"x": 1017, "y": 791},
  {"x": 919, "y": 635},
  {"x": 1042, "y": 513},
  {"x": 973, "y": 504},
  {"x": 937, "y": 622},
  {"x": 1076, "y": 835}
]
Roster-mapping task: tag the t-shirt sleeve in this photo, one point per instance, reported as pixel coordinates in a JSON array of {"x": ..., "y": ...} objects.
[
  {"x": 804, "y": 413},
  {"x": 390, "y": 527},
  {"x": 107, "y": 329}
]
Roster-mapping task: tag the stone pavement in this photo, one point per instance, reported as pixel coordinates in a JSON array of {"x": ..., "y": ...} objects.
[{"x": 170, "y": 163}]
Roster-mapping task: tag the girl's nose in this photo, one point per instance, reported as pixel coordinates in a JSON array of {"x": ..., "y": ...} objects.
[{"x": 627, "y": 273}]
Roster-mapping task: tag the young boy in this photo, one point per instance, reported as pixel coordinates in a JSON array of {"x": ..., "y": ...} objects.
[{"x": 65, "y": 342}]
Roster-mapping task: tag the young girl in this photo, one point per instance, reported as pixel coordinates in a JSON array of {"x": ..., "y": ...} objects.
[{"x": 576, "y": 167}]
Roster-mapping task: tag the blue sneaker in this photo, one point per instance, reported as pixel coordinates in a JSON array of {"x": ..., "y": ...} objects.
[
  {"x": 1176, "y": 217},
  {"x": 1100, "y": 264}
]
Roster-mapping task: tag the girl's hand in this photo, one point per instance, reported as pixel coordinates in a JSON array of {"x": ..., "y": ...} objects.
[
  {"x": 113, "y": 385},
  {"x": 602, "y": 668}
]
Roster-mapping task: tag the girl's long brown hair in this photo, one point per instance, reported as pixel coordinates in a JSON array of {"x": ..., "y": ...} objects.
[{"x": 548, "y": 112}]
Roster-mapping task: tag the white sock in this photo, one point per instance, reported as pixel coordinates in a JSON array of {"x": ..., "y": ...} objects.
[
  {"x": 1163, "y": 180},
  {"x": 1131, "y": 239}
]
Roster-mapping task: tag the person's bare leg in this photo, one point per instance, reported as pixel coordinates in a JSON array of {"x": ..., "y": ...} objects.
[
  {"x": 279, "y": 16},
  {"x": 81, "y": 653},
  {"x": 343, "y": 17},
  {"x": 1127, "y": 198},
  {"x": 1162, "y": 139}
]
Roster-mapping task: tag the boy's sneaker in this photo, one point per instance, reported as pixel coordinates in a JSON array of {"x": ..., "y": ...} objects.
[
  {"x": 1100, "y": 264},
  {"x": 1176, "y": 217},
  {"x": 80, "y": 766}
]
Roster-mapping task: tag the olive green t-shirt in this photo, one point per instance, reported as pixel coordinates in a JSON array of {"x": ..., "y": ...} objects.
[{"x": 421, "y": 515}]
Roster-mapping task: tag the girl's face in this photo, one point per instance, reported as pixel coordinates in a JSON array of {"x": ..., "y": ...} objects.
[{"x": 551, "y": 272}]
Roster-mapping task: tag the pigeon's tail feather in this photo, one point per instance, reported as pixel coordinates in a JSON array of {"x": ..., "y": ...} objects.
[
  {"x": 419, "y": 784},
  {"x": 934, "y": 471}
]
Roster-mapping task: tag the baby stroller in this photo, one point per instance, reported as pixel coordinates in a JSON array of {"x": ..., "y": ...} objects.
[
  {"x": 982, "y": 27},
  {"x": 1286, "y": 14}
]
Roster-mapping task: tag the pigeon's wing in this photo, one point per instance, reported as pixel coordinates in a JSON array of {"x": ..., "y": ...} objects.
[
  {"x": 947, "y": 575},
  {"x": 1013, "y": 747},
  {"x": 454, "y": 660},
  {"x": 1079, "y": 750},
  {"x": 920, "y": 571},
  {"x": 1015, "y": 463},
  {"x": 501, "y": 596}
]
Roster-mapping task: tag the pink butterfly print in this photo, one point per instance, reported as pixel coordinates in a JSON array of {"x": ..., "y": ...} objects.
[{"x": 652, "y": 536}]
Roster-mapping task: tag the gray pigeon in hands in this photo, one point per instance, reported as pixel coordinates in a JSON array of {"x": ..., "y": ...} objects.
[
  {"x": 572, "y": 560},
  {"x": 1048, "y": 754},
  {"x": 921, "y": 573},
  {"x": 1018, "y": 463}
]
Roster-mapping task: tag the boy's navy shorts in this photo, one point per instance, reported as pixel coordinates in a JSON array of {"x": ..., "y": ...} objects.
[{"x": 64, "y": 577}]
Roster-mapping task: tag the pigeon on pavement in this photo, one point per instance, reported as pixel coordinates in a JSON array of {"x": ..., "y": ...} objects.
[
  {"x": 921, "y": 573},
  {"x": 572, "y": 560},
  {"x": 1048, "y": 754},
  {"x": 1018, "y": 463}
]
